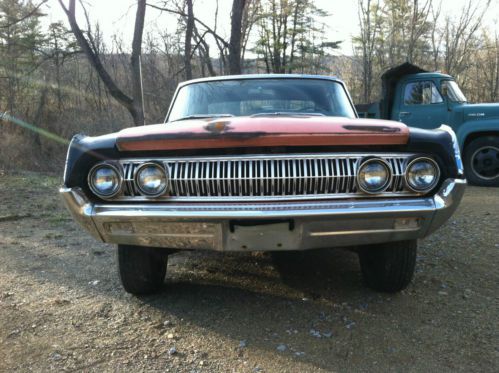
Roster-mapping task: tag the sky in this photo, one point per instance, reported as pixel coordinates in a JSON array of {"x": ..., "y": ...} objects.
[{"x": 117, "y": 16}]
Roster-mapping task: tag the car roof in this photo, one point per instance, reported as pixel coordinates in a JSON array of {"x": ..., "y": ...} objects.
[{"x": 260, "y": 76}]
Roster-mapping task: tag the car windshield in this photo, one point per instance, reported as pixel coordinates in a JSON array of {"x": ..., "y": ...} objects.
[
  {"x": 452, "y": 91},
  {"x": 247, "y": 97}
]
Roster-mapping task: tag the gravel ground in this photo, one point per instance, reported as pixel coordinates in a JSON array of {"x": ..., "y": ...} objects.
[{"x": 62, "y": 307}]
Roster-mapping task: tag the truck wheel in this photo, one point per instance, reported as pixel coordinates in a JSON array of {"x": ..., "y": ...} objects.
[
  {"x": 142, "y": 269},
  {"x": 481, "y": 161},
  {"x": 389, "y": 266}
]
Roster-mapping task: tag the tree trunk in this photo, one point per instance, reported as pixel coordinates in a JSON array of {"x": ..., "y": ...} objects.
[
  {"x": 293, "y": 37},
  {"x": 235, "y": 36},
  {"x": 135, "y": 65},
  {"x": 132, "y": 104},
  {"x": 39, "y": 111},
  {"x": 188, "y": 40},
  {"x": 204, "y": 50}
]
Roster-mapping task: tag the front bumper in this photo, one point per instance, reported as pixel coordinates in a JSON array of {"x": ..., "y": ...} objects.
[{"x": 265, "y": 226}]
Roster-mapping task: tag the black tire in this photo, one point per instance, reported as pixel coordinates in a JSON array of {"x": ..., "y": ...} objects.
[
  {"x": 388, "y": 267},
  {"x": 481, "y": 161},
  {"x": 142, "y": 269}
]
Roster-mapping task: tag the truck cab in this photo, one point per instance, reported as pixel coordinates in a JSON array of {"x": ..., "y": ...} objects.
[{"x": 429, "y": 99}]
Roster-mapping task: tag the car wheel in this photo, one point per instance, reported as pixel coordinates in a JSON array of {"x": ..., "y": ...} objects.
[
  {"x": 481, "y": 161},
  {"x": 389, "y": 266},
  {"x": 142, "y": 269}
]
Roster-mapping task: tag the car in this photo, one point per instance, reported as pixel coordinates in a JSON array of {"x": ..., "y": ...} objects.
[
  {"x": 426, "y": 99},
  {"x": 276, "y": 163}
]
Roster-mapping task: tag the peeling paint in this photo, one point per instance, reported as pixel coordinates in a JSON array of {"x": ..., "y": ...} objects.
[{"x": 262, "y": 132}]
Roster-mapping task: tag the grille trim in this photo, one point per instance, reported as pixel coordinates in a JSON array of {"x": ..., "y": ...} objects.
[{"x": 265, "y": 177}]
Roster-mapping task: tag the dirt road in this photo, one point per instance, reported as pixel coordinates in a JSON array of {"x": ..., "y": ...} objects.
[{"x": 62, "y": 307}]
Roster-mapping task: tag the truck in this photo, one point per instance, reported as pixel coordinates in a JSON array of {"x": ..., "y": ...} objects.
[{"x": 427, "y": 100}]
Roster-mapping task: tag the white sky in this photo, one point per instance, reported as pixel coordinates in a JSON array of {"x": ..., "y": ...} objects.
[{"x": 117, "y": 16}]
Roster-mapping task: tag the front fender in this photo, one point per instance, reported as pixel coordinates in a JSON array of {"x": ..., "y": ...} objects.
[{"x": 474, "y": 126}]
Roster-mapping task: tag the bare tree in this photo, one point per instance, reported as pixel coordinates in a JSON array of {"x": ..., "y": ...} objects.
[
  {"x": 369, "y": 22},
  {"x": 250, "y": 17},
  {"x": 459, "y": 37},
  {"x": 233, "y": 45},
  {"x": 204, "y": 51},
  {"x": 419, "y": 27},
  {"x": 435, "y": 42},
  {"x": 133, "y": 103}
]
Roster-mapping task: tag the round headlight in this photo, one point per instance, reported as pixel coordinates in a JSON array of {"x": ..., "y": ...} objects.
[
  {"x": 151, "y": 179},
  {"x": 104, "y": 180},
  {"x": 374, "y": 176},
  {"x": 422, "y": 174}
]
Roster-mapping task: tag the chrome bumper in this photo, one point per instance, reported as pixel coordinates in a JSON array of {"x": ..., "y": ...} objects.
[{"x": 265, "y": 226}]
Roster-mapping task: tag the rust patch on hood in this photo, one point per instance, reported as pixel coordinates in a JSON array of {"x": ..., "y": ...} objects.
[
  {"x": 262, "y": 132},
  {"x": 218, "y": 126}
]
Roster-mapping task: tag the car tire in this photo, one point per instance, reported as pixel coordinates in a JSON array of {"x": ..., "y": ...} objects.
[
  {"x": 481, "y": 161},
  {"x": 142, "y": 269},
  {"x": 388, "y": 267}
]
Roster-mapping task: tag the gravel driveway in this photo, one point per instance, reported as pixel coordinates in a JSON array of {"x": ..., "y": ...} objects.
[{"x": 62, "y": 307}]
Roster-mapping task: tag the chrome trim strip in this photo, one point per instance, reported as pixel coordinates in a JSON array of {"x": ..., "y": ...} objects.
[
  {"x": 306, "y": 197},
  {"x": 265, "y": 210},
  {"x": 250, "y": 157},
  {"x": 455, "y": 146},
  {"x": 362, "y": 231}
]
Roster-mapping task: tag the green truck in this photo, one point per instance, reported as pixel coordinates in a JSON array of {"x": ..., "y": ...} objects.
[{"x": 427, "y": 100}]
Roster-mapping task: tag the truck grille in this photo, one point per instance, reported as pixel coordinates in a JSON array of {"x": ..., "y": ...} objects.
[{"x": 263, "y": 177}]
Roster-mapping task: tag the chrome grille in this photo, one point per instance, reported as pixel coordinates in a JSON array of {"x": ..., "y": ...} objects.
[{"x": 264, "y": 177}]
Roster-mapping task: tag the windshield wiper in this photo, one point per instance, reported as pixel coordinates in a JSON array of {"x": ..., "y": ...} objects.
[
  {"x": 203, "y": 116},
  {"x": 288, "y": 113}
]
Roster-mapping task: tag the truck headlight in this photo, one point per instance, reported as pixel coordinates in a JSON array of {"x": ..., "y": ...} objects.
[
  {"x": 105, "y": 180},
  {"x": 422, "y": 174},
  {"x": 151, "y": 179},
  {"x": 374, "y": 176}
]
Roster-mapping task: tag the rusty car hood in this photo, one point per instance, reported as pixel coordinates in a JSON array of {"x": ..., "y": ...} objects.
[{"x": 262, "y": 132}]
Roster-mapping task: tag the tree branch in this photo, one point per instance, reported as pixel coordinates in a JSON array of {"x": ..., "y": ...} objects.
[
  {"x": 93, "y": 57},
  {"x": 183, "y": 14},
  {"x": 26, "y": 16}
]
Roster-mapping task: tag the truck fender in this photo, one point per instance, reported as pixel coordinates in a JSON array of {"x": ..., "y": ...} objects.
[{"x": 473, "y": 128}]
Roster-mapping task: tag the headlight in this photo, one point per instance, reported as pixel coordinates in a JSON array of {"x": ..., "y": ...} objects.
[
  {"x": 374, "y": 176},
  {"x": 104, "y": 180},
  {"x": 422, "y": 174},
  {"x": 151, "y": 179}
]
